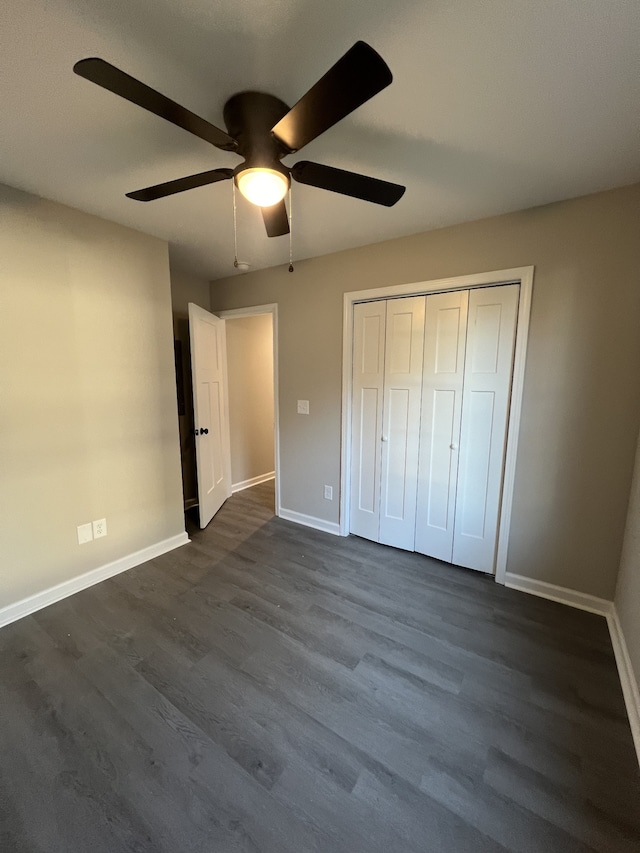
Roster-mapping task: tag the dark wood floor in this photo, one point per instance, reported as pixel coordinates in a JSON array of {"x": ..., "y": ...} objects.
[{"x": 272, "y": 688}]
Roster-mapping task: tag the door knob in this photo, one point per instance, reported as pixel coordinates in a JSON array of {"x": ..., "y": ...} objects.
[
  {"x": 453, "y": 446},
  {"x": 384, "y": 438},
  {"x": 204, "y": 431}
]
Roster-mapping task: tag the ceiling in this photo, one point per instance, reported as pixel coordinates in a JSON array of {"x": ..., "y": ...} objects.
[{"x": 495, "y": 106}]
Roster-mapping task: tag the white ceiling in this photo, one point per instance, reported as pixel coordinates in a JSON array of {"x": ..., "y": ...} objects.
[{"x": 496, "y": 105}]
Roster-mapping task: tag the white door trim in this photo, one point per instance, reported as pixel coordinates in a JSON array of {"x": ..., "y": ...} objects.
[
  {"x": 255, "y": 311},
  {"x": 519, "y": 275}
]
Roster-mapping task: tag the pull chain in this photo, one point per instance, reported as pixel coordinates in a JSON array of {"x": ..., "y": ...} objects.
[
  {"x": 290, "y": 231},
  {"x": 235, "y": 227}
]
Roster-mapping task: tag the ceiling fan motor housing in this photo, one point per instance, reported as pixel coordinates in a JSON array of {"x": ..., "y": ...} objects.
[{"x": 249, "y": 117}]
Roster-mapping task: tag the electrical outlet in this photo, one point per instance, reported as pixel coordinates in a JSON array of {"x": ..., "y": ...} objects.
[
  {"x": 99, "y": 528},
  {"x": 303, "y": 407},
  {"x": 328, "y": 493},
  {"x": 85, "y": 533}
]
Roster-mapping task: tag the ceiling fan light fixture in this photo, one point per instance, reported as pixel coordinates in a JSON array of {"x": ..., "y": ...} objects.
[
  {"x": 261, "y": 186},
  {"x": 262, "y": 129}
]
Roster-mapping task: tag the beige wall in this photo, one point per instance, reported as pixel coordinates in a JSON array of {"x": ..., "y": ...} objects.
[
  {"x": 250, "y": 369},
  {"x": 581, "y": 406},
  {"x": 88, "y": 424},
  {"x": 628, "y": 589},
  {"x": 186, "y": 288}
]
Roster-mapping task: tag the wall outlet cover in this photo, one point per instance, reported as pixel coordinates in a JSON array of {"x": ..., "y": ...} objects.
[
  {"x": 328, "y": 493},
  {"x": 99, "y": 528},
  {"x": 85, "y": 533},
  {"x": 303, "y": 407}
]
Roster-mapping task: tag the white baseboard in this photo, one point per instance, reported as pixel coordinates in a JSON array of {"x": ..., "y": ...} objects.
[
  {"x": 310, "y": 521},
  {"x": 605, "y": 608},
  {"x": 559, "y": 593},
  {"x": 253, "y": 481},
  {"x": 627, "y": 676},
  {"x": 13, "y": 612}
]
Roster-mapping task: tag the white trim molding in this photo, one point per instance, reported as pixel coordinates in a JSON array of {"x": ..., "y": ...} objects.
[
  {"x": 523, "y": 276},
  {"x": 29, "y": 605},
  {"x": 628, "y": 679},
  {"x": 252, "y": 481},
  {"x": 605, "y": 608},
  {"x": 310, "y": 521},
  {"x": 580, "y": 600}
]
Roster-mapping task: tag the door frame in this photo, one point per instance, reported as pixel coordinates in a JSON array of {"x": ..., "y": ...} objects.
[
  {"x": 256, "y": 311},
  {"x": 523, "y": 276}
]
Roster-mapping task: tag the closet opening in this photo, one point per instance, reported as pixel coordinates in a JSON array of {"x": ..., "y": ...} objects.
[{"x": 432, "y": 392}]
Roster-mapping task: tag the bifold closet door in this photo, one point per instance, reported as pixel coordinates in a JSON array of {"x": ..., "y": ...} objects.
[
  {"x": 369, "y": 324},
  {"x": 385, "y": 425},
  {"x": 485, "y": 408},
  {"x": 442, "y": 382},
  {"x": 431, "y": 390},
  {"x": 404, "y": 342}
]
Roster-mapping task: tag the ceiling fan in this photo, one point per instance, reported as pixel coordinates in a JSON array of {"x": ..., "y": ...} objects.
[{"x": 262, "y": 129}]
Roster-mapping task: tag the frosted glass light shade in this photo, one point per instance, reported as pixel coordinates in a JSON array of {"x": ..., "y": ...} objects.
[{"x": 263, "y": 187}]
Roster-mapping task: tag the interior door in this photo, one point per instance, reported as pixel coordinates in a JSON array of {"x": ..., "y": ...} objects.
[
  {"x": 442, "y": 383},
  {"x": 211, "y": 411},
  {"x": 404, "y": 340},
  {"x": 485, "y": 407}
]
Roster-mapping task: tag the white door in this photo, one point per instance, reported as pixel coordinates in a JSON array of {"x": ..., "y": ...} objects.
[
  {"x": 404, "y": 341},
  {"x": 211, "y": 411},
  {"x": 387, "y": 375},
  {"x": 485, "y": 407},
  {"x": 369, "y": 322},
  {"x": 442, "y": 382}
]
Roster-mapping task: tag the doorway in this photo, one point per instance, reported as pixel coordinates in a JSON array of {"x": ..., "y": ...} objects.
[
  {"x": 253, "y": 394},
  {"x": 523, "y": 277}
]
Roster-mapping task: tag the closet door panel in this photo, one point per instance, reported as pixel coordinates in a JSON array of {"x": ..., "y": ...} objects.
[
  {"x": 443, "y": 374},
  {"x": 485, "y": 407},
  {"x": 366, "y": 424},
  {"x": 401, "y": 420},
  {"x": 441, "y": 465},
  {"x": 397, "y": 432},
  {"x": 473, "y": 493},
  {"x": 369, "y": 450}
]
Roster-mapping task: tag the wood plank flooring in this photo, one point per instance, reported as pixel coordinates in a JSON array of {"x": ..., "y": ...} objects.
[{"x": 273, "y": 689}]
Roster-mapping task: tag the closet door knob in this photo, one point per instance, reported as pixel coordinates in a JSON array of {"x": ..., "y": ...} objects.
[
  {"x": 384, "y": 438},
  {"x": 204, "y": 431},
  {"x": 453, "y": 446}
]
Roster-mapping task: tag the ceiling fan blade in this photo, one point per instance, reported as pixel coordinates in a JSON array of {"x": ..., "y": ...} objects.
[
  {"x": 347, "y": 183},
  {"x": 181, "y": 184},
  {"x": 358, "y": 76},
  {"x": 276, "y": 220},
  {"x": 109, "y": 77}
]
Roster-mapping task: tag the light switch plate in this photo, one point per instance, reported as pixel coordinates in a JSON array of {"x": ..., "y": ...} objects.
[
  {"x": 303, "y": 407},
  {"x": 85, "y": 533},
  {"x": 328, "y": 493}
]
